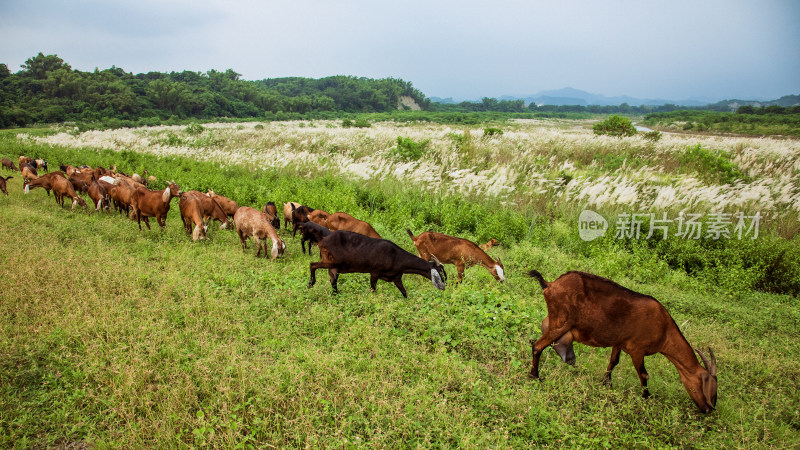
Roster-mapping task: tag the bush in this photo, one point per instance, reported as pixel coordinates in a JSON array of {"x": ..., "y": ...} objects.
[
  {"x": 714, "y": 165},
  {"x": 492, "y": 131},
  {"x": 408, "y": 149},
  {"x": 653, "y": 136},
  {"x": 615, "y": 126}
]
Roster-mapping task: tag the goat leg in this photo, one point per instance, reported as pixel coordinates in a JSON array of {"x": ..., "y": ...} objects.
[
  {"x": 333, "y": 273},
  {"x": 399, "y": 283},
  {"x": 638, "y": 363},
  {"x": 611, "y": 364}
]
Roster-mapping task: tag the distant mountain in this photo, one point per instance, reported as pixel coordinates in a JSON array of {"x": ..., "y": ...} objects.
[{"x": 572, "y": 96}]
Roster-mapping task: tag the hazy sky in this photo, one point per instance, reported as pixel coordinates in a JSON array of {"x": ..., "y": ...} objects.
[{"x": 673, "y": 49}]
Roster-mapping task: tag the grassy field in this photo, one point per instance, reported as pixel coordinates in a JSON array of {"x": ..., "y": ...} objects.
[{"x": 114, "y": 338}]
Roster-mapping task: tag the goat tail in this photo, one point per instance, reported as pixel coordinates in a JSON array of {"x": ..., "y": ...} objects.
[
  {"x": 538, "y": 276},
  {"x": 411, "y": 234}
]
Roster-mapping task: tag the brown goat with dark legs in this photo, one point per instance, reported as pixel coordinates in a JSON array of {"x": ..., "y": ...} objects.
[
  {"x": 8, "y": 164},
  {"x": 252, "y": 222},
  {"x": 122, "y": 194},
  {"x": 228, "y": 206},
  {"x": 147, "y": 203},
  {"x": 62, "y": 189},
  {"x": 348, "y": 252},
  {"x": 3, "y": 184},
  {"x": 458, "y": 251},
  {"x": 272, "y": 211},
  {"x": 346, "y": 222},
  {"x": 598, "y": 312}
]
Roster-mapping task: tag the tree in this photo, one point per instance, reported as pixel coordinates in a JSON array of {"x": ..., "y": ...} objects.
[
  {"x": 615, "y": 125},
  {"x": 41, "y": 64}
]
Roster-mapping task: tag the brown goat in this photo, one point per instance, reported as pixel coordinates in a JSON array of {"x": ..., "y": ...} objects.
[
  {"x": 346, "y": 222},
  {"x": 3, "y": 184},
  {"x": 227, "y": 205},
  {"x": 8, "y": 164},
  {"x": 45, "y": 182},
  {"x": 458, "y": 251},
  {"x": 24, "y": 160},
  {"x": 485, "y": 247},
  {"x": 252, "y": 222},
  {"x": 287, "y": 212},
  {"x": 598, "y": 312},
  {"x": 62, "y": 188},
  {"x": 147, "y": 203},
  {"x": 122, "y": 194},
  {"x": 272, "y": 211},
  {"x": 28, "y": 172},
  {"x": 99, "y": 195},
  {"x": 199, "y": 208}
]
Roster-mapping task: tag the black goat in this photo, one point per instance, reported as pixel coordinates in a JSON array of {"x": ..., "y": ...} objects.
[
  {"x": 312, "y": 233},
  {"x": 348, "y": 252}
]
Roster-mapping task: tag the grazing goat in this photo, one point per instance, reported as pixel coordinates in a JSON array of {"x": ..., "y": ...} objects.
[
  {"x": 227, "y": 205},
  {"x": 303, "y": 214},
  {"x": 40, "y": 164},
  {"x": 346, "y": 222},
  {"x": 99, "y": 195},
  {"x": 8, "y": 164},
  {"x": 252, "y": 222},
  {"x": 147, "y": 203},
  {"x": 63, "y": 188},
  {"x": 67, "y": 169},
  {"x": 45, "y": 182},
  {"x": 29, "y": 172},
  {"x": 199, "y": 208},
  {"x": 485, "y": 247},
  {"x": 122, "y": 193},
  {"x": 458, "y": 251},
  {"x": 24, "y": 160},
  {"x": 598, "y": 312},
  {"x": 312, "y": 233},
  {"x": 348, "y": 252},
  {"x": 287, "y": 212},
  {"x": 3, "y": 184},
  {"x": 271, "y": 210}
]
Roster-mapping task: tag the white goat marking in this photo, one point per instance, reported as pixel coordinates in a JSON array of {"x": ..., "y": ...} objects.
[
  {"x": 500, "y": 272},
  {"x": 27, "y": 188}
]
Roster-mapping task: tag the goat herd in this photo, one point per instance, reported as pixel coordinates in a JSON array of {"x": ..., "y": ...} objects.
[{"x": 581, "y": 307}]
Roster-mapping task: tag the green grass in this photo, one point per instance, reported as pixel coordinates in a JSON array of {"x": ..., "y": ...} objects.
[{"x": 114, "y": 338}]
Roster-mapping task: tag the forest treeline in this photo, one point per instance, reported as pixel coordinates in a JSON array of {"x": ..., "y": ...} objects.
[{"x": 48, "y": 90}]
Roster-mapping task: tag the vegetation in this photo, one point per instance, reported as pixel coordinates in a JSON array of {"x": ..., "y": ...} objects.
[
  {"x": 616, "y": 126},
  {"x": 48, "y": 90},
  {"x": 114, "y": 338},
  {"x": 772, "y": 120}
]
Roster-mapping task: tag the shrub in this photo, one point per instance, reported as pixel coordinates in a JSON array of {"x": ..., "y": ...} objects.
[
  {"x": 615, "y": 126},
  {"x": 408, "y": 149},
  {"x": 492, "y": 131},
  {"x": 653, "y": 136},
  {"x": 714, "y": 165},
  {"x": 194, "y": 129}
]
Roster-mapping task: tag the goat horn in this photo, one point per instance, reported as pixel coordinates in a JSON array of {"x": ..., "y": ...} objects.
[
  {"x": 436, "y": 260},
  {"x": 710, "y": 366}
]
